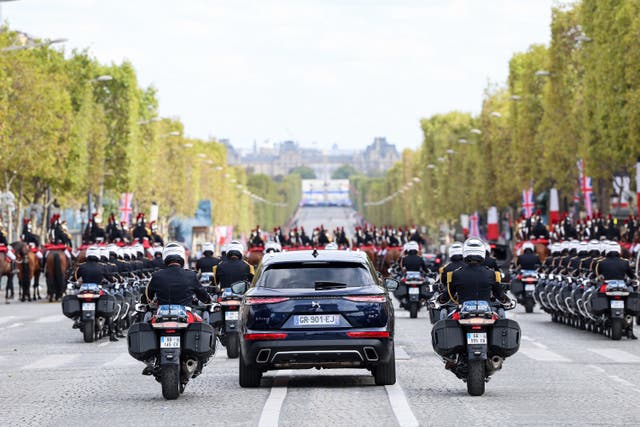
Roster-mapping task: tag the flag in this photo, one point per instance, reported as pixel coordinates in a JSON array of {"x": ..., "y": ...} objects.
[
  {"x": 638, "y": 183},
  {"x": 474, "y": 230},
  {"x": 527, "y": 202},
  {"x": 586, "y": 188},
  {"x": 554, "y": 206},
  {"x": 464, "y": 223},
  {"x": 224, "y": 234},
  {"x": 153, "y": 212},
  {"x": 492, "y": 224},
  {"x": 621, "y": 191},
  {"x": 126, "y": 200}
]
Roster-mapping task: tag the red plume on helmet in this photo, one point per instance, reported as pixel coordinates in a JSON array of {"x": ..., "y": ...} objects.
[{"x": 140, "y": 215}]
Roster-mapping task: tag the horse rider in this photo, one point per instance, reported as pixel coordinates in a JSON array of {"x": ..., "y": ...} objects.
[
  {"x": 140, "y": 231},
  {"x": 233, "y": 268},
  {"x": 256, "y": 240},
  {"x": 4, "y": 242}
]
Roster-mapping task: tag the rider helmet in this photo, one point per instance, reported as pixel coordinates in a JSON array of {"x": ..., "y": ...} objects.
[
  {"x": 174, "y": 253},
  {"x": 583, "y": 248},
  {"x": 104, "y": 253},
  {"x": 207, "y": 249},
  {"x": 455, "y": 250},
  {"x": 593, "y": 246},
  {"x": 555, "y": 248},
  {"x": 235, "y": 249},
  {"x": 528, "y": 246},
  {"x": 613, "y": 248},
  {"x": 113, "y": 250},
  {"x": 271, "y": 247},
  {"x": 331, "y": 246},
  {"x": 473, "y": 250},
  {"x": 412, "y": 246},
  {"x": 573, "y": 246},
  {"x": 93, "y": 253}
]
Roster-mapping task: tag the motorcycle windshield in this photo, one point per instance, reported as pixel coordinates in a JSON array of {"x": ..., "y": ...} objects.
[
  {"x": 171, "y": 311},
  {"x": 529, "y": 273},
  {"x": 91, "y": 287},
  {"x": 615, "y": 284},
  {"x": 475, "y": 308},
  {"x": 413, "y": 275}
]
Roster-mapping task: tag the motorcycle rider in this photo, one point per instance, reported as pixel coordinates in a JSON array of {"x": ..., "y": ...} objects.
[
  {"x": 412, "y": 261},
  {"x": 489, "y": 261},
  {"x": 157, "y": 263},
  {"x": 206, "y": 263},
  {"x": 528, "y": 260},
  {"x": 233, "y": 268},
  {"x": 455, "y": 262},
  {"x": 474, "y": 281}
]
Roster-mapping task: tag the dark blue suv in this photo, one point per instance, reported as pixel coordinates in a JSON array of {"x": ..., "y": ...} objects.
[{"x": 317, "y": 309}]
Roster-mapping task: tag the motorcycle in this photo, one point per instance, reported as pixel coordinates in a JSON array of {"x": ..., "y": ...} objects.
[
  {"x": 91, "y": 307},
  {"x": 523, "y": 287},
  {"x": 474, "y": 342},
  {"x": 175, "y": 345},
  {"x": 414, "y": 292},
  {"x": 224, "y": 317},
  {"x": 612, "y": 305}
]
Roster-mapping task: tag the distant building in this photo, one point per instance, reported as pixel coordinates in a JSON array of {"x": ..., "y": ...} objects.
[{"x": 377, "y": 158}]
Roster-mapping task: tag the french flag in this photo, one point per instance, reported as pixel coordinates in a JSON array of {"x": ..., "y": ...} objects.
[
  {"x": 492, "y": 224},
  {"x": 586, "y": 187},
  {"x": 638, "y": 183},
  {"x": 527, "y": 202},
  {"x": 554, "y": 206}
]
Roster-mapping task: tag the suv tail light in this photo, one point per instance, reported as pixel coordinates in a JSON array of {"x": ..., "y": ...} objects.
[
  {"x": 368, "y": 334},
  {"x": 264, "y": 337},
  {"x": 367, "y": 298},
  {"x": 264, "y": 300}
]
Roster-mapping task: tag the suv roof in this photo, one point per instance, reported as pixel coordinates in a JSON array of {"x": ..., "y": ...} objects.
[{"x": 322, "y": 255}]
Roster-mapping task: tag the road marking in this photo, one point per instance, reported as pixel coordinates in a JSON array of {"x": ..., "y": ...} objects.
[
  {"x": 13, "y": 325},
  {"x": 619, "y": 356},
  {"x": 401, "y": 353},
  {"x": 51, "y": 319},
  {"x": 597, "y": 368},
  {"x": 103, "y": 344},
  {"x": 543, "y": 355},
  {"x": 6, "y": 319},
  {"x": 122, "y": 361},
  {"x": 51, "y": 361},
  {"x": 400, "y": 406},
  {"x": 270, "y": 415},
  {"x": 622, "y": 381}
]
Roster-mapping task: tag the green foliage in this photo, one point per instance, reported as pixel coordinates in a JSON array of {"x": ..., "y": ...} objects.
[
  {"x": 344, "y": 172},
  {"x": 304, "y": 172}
]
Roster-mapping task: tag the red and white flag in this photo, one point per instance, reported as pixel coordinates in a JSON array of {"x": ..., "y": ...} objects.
[
  {"x": 492, "y": 224},
  {"x": 474, "y": 229},
  {"x": 464, "y": 223},
  {"x": 638, "y": 183},
  {"x": 586, "y": 188},
  {"x": 527, "y": 202},
  {"x": 554, "y": 206},
  {"x": 126, "y": 210}
]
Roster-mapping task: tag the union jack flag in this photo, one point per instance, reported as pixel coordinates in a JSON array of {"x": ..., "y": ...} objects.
[
  {"x": 125, "y": 207},
  {"x": 474, "y": 220},
  {"x": 586, "y": 188},
  {"x": 527, "y": 202}
]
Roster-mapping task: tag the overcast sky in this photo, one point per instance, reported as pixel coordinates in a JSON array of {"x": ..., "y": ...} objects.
[{"x": 324, "y": 71}]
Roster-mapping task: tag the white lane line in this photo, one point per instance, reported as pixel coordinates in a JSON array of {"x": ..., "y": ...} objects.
[
  {"x": 543, "y": 355},
  {"x": 621, "y": 381},
  {"x": 619, "y": 356},
  {"x": 104, "y": 344},
  {"x": 6, "y": 319},
  {"x": 401, "y": 353},
  {"x": 51, "y": 361},
  {"x": 51, "y": 319},
  {"x": 597, "y": 368},
  {"x": 270, "y": 415},
  {"x": 11, "y": 326},
  {"x": 400, "y": 406},
  {"x": 122, "y": 361}
]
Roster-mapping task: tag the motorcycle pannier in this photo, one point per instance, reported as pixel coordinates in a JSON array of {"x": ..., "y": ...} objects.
[
  {"x": 142, "y": 341},
  {"x": 504, "y": 338},
  {"x": 517, "y": 287},
  {"x": 447, "y": 337},
  {"x": 200, "y": 340},
  {"x": 70, "y": 306},
  {"x": 598, "y": 303},
  {"x": 106, "y": 305},
  {"x": 633, "y": 303}
]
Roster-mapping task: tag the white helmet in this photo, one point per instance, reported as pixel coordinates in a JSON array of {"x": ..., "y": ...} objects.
[
  {"x": 174, "y": 252},
  {"x": 272, "y": 247},
  {"x": 613, "y": 247},
  {"x": 528, "y": 245},
  {"x": 593, "y": 245},
  {"x": 474, "y": 249},
  {"x": 331, "y": 246},
  {"x": 104, "y": 252},
  {"x": 564, "y": 245},
  {"x": 207, "y": 247},
  {"x": 583, "y": 247},
  {"x": 573, "y": 245},
  {"x": 235, "y": 248},
  {"x": 555, "y": 248},
  {"x": 455, "y": 249},
  {"x": 412, "y": 246},
  {"x": 93, "y": 252}
]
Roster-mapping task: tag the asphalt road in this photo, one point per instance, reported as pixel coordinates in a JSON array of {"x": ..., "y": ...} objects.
[
  {"x": 561, "y": 376},
  {"x": 329, "y": 217}
]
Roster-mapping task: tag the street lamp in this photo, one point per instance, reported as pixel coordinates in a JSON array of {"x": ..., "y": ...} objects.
[
  {"x": 542, "y": 73},
  {"x": 476, "y": 131},
  {"x": 462, "y": 141},
  {"x": 31, "y": 45},
  {"x": 451, "y": 151},
  {"x": 495, "y": 114},
  {"x": 515, "y": 97},
  {"x": 166, "y": 135}
]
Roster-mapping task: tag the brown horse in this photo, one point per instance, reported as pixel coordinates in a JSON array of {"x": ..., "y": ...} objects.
[
  {"x": 370, "y": 251},
  {"x": 254, "y": 257},
  {"x": 56, "y": 266},
  {"x": 5, "y": 270},
  {"x": 391, "y": 257},
  {"x": 28, "y": 269}
]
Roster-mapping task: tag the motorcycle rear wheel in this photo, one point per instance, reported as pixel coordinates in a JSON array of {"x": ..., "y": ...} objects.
[
  {"x": 528, "y": 305},
  {"x": 413, "y": 309},
  {"x": 88, "y": 330},
  {"x": 475, "y": 379},
  {"x": 170, "y": 381},
  {"x": 616, "y": 329},
  {"x": 233, "y": 346}
]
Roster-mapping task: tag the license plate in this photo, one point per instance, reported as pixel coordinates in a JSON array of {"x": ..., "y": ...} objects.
[
  {"x": 617, "y": 304},
  {"x": 231, "y": 315},
  {"x": 414, "y": 291},
  {"x": 529, "y": 288},
  {"x": 316, "y": 320},
  {"x": 476, "y": 338},
  {"x": 170, "y": 342},
  {"x": 88, "y": 306}
]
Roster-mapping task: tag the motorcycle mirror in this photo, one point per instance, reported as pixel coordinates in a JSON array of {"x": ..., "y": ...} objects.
[
  {"x": 391, "y": 284},
  {"x": 141, "y": 308},
  {"x": 239, "y": 287}
]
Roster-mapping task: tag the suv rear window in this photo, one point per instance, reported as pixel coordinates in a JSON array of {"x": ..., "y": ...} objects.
[{"x": 301, "y": 275}]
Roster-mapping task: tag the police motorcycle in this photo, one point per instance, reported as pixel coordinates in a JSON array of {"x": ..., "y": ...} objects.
[
  {"x": 224, "y": 317},
  {"x": 175, "y": 344},
  {"x": 91, "y": 307},
  {"x": 474, "y": 340},
  {"x": 523, "y": 286},
  {"x": 419, "y": 289}
]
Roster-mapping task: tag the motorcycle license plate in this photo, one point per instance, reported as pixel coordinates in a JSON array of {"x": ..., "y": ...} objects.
[
  {"x": 88, "y": 306},
  {"x": 231, "y": 315},
  {"x": 617, "y": 304},
  {"x": 170, "y": 342},
  {"x": 476, "y": 338},
  {"x": 316, "y": 320},
  {"x": 414, "y": 291},
  {"x": 529, "y": 288}
]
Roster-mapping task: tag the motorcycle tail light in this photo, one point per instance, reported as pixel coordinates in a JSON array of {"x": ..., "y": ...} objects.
[
  {"x": 603, "y": 288},
  {"x": 366, "y": 298}
]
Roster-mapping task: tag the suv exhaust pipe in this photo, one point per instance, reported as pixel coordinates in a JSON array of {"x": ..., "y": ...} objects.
[
  {"x": 370, "y": 354},
  {"x": 263, "y": 355}
]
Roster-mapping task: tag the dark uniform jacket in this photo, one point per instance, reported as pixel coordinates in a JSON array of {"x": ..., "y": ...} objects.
[
  {"x": 528, "y": 261},
  {"x": 453, "y": 265},
  {"x": 232, "y": 270},
  {"x": 491, "y": 263},
  {"x": 90, "y": 272},
  {"x": 614, "y": 268},
  {"x": 474, "y": 282},
  {"x": 157, "y": 264},
  {"x": 175, "y": 285},
  {"x": 413, "y": 263},
  {"x": 206, "y": 264}
]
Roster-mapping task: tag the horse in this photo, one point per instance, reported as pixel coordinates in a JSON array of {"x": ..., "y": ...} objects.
[
  {"x": 254, "y": 257},
  {"x": 56, "y": 266},
  {"x": 28, "y": 269},
  {"x": 370, "y": 250},
  {"x": 5, "y": 270},
  {"x": 392, "y": 256}
]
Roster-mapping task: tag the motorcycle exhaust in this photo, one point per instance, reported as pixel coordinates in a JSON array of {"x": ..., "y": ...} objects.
[
  {"x": 189, "y": 367},
  {"x": 496, "y": 362}
]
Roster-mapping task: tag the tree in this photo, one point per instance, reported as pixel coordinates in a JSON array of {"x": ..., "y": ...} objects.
[
  {"x": 304, "y": 172},
  {"x": 344, "y": 172}
]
